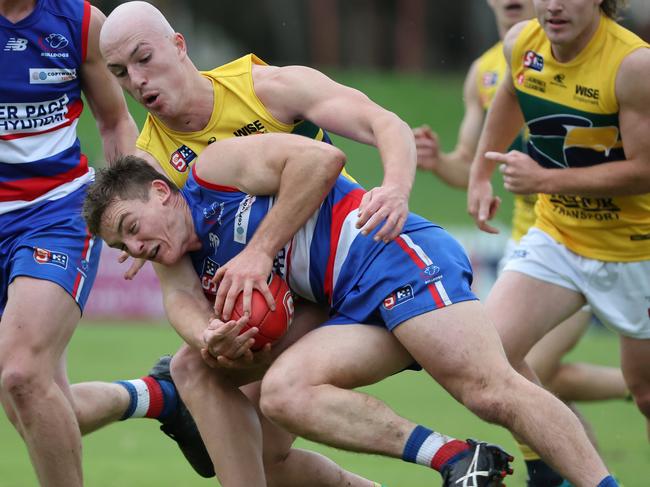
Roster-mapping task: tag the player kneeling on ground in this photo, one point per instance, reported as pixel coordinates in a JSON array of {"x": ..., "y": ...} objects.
[{"x": 417, "y": 287}]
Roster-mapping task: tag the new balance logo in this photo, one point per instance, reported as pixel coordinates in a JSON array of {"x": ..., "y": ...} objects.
[{"x": 16, "y": 44}]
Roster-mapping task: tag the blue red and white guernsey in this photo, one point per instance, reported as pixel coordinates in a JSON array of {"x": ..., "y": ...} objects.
[
  {"x": 43, "y": 173},
  {"x": 40, "y": 104},
  {"x": 329, "y": 262}
]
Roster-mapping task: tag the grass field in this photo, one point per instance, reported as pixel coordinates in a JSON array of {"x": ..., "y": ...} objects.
[{"x": 135, "y": 454}]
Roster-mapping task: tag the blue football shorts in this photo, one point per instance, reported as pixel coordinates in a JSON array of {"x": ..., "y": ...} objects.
[
  {"x": 49, "y": 241},
  {"x": 420, "y": 271}
]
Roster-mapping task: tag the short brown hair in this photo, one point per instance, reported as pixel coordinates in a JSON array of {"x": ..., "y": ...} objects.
[
  {"x": 128, "y": 178},
  {"x": 612, "y": 8}
]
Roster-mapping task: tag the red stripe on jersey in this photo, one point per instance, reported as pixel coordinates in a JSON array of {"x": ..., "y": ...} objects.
[
  {"x": 74, "y": 112},
  {"x": 340, "y": 211},
  {"x": 32, "y": 188},
  {"x": 85, "y": 27},
  {"x": 156, "y": 400},
  {"x": 84, "y": 255},
  {"x": 216, "y": 187},
  {"x": 422, "y": 265}
]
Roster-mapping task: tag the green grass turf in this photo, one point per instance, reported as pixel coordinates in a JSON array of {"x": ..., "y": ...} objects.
[{"x": 136, "y": 454}]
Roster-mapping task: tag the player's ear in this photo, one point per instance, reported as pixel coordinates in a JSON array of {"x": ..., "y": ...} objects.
[
  {"x": 181, "y": 45},
  {"x": 161, "y": 190}
]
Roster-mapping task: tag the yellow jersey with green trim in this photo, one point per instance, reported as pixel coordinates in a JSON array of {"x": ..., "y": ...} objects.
[
  {"x": 237, "y": 112},
  {"x": 491, "y": 69},
  {"x": 571, "y": 113}
]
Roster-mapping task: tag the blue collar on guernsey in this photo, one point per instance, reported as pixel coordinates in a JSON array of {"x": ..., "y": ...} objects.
[{"x": 27, "y": 21}]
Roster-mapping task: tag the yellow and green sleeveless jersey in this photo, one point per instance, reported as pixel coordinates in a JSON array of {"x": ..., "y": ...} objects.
[
  {"x": 237, "y": 112},
  {"x": 571, "y": 112},
  {"x": 491, "y": 69}
]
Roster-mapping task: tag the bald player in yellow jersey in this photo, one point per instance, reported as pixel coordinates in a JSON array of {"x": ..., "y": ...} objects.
[{"x": 578, "y": 81}]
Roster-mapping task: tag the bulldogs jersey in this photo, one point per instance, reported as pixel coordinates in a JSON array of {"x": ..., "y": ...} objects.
[
  {"x": 40, "y": 104},
  {"x": 322, "y": 262}
]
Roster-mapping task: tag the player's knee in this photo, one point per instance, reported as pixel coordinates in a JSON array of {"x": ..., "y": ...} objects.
[
  {"x": 488, "y": 401},
  {"x": 281, "y": 398},
  {"x": 183, "y": 367},
  {"x": 641, "y": 395},
  {"x": 20, "y": 382}
]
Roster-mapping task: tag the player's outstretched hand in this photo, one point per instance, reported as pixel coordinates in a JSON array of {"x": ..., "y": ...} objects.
[
  {"x": 428, "y": 148},
  {"x": 521, "y": 174},
  {"x": 135, "y": 267},
  {"x": 248, "y": 270},
  {"x": 482, "y": 205},
  {"x": 226, "y": 338},
  {"x": 387, "y": 204}
]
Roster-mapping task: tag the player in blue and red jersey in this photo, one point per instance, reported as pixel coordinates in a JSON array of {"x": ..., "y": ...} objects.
[
  {"x": 49, "y": 260},
  {"x": 417, "y": 287}
]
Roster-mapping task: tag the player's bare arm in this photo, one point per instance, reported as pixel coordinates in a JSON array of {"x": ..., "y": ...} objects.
[
  {"x": 187, "y": 308},
  {"x": 503, "y": 122},
  {"x": 453, "y": 168},
  {"x": 105, "y": 98},
  {"x": 298, "y": 92},
  {"x": 299, "y": 170}
]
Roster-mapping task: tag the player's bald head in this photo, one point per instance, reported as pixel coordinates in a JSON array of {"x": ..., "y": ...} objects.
[{"x": 130, "y": 17}]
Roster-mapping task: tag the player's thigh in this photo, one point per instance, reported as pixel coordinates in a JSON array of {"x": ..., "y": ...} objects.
[
  {"x": 524, "y": 309},
  {"x": 37, "y": 324},
  {"x": 546, "y": 355},
  {"x": 307, "y": 317},
  {"x": 344, "y": 355},
  {"x": 635, "y": 364},
  {"x": 457, "y": 345}
]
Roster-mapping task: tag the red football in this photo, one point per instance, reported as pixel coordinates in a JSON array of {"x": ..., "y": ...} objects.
[{"x": 272, "y": 325}]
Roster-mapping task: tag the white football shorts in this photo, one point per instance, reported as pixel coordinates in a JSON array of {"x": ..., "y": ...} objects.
[{"x": 618, "y": 292}]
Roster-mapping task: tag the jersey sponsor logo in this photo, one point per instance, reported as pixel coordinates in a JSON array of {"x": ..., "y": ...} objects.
[
  {"x": 210, "y": 268},
  {"x": 255, "y": 127},
  {"x": 398, "y": 297},
  {"x": 16, "y": 44},
  {"x": 240, "y": 231},
  {"x": 40, "y": 76},
  {"x": 490, "y": 78},
  {"x": 558, "y": 80},
  {"x": 181, "y": 158},
  {"x": 535, "y": 84},
  {"x": 585, "y": 94},
  {"x": 44, "y": 256},
  {"x": 25, "y": 117},
  {"x": 585, "y": 208},
  {"x": 533, "y": 60}
]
